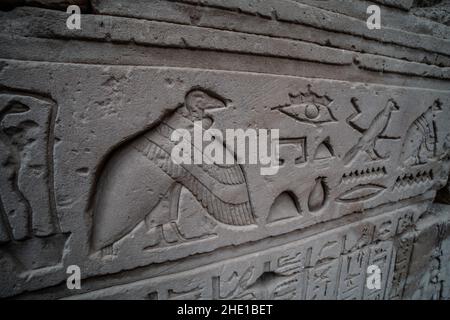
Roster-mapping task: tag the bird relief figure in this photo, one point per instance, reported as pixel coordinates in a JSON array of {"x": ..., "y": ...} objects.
[
  {"x": 367, "y": 142},
  {"x": 445, "y": 155},
  {"x": 420, "y": 139},
  {"x": 140, "y": 174}
]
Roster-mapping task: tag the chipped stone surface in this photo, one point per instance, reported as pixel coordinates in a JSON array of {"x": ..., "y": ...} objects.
[
  {"x": 436, "y": 10},
  {"x": 86, "y": 176}
]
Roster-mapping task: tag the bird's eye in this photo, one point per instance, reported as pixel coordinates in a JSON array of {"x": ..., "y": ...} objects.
[{"x": 309, "y": 112}]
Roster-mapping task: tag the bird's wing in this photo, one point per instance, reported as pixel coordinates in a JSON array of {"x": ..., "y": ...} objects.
[
  {"x": 141, "y": 172},
  {"x": 222, "y": 190},
  {"x": 351, "y": 154},
  {"x": 129, "y": 187},
  {"x": 427, "y": 131}
]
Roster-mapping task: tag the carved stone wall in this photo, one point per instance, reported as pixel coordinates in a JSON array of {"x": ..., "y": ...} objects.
[{"x": 86, "y": 176}]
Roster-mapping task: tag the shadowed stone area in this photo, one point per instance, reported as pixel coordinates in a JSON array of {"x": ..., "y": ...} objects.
[{"x": 87, "y": 178}]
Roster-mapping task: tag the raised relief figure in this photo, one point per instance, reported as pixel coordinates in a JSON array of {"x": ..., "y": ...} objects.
[
  {"x": 309, "y": 108},
  {"x": 141, "y": 173},
  {"x": 370, "y": 136},
  {"x": 26, "y": 208},
  {"x": 420, "y": 139},
  {"x": 30, "y": 235}
]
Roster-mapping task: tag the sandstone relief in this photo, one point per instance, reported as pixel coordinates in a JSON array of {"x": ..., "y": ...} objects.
[
  {"x": 420, "y": 139},
  {"x": 31, "y": 238},
  {"x": 351, "y": 138},
  {"x": 126, "y": 192},
  {"x": 318, "y": 195},
  {"x": 308, "y": 107},
  {"x": 370, "y": 135}
]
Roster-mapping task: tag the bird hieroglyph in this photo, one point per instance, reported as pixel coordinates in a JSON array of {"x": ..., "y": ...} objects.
[{"x": 140, "y": 174}]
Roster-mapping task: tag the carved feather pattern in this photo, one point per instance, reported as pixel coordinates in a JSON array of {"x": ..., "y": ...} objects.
[
  {"x": 420, "y": 140},
  {"x": 230, "y": 175},
  {"x": 226, "y": 174},
  {"x": 232, "y": 214},
  {"x": 426, "y": 129}
]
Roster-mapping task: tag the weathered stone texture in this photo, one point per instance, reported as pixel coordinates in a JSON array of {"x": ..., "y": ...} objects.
[
  {"x": 86, "y": 176},
  {"x": 436, "y": 10}
]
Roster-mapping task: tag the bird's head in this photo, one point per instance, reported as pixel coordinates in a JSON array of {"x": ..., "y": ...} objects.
[
  {"x": 437, "y": 105},
  {"x": 197, "y": 101},
  {"x": 392, "y": 105}
]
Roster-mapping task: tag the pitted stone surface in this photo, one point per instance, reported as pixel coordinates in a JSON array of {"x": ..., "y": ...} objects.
[{"x": 86, "y": 176}]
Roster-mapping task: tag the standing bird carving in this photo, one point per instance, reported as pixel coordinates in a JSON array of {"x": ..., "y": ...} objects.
[
  {"x": 420, "y": 139},
  {"x": 367, "y": 142},
  {"x": 141, "y": 173}
]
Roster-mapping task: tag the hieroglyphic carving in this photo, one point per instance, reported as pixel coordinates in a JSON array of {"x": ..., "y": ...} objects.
[
  {"x": 276, "y": 79},
  {"x": 30, "y": 234},
  {"x": 402, "y": 259},
  {"x": 308, "y": 107},
  {"x": 360, "y": 193},
  {"x": 318, "y": 195},
  {"x": 286, "y": 199},
  {"x": 445, "y": 155},
  {"x": 185, "y": 294},
  {"x": 405, "y": 221},
  {"x": 268, "y": 285},
  {"x": 185, "y": 289},
  {"x": 353, "y": 274},
  {"x": 168, "y": 227},
  {"x": 361, "y": 253},
  {"x": 385, "y": 229},
  {"x": 380, "y": 256},
  {"x": 359, "y": 237},
  {"x": 364, "y": 174},
  {"x": 420, "y": 140},
  {"x": 324, "y": 155},
  {"x": 292, "y": 150},
  {"x": 430, "y": 285},
  {"x": 332, "y": 265},
  {"x": 324, "y": 150},
  {"x": 428, "y": 274},
  {"x": 141, "y": 172},
  {"x": 375, "y": 131},
  {"x": 324, "y": 272},
  {"x": 291, "y": 264},
  {"x": 279, "y": 275},
  {"x": 410, "y": 180},
  {"x": 285, "y": 206},
  {"x": 25, "y": 176},
  {"x": 185, "y": 227}
]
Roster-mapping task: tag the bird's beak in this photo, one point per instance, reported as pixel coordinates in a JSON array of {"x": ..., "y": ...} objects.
[
  {"x": 436, "y": 106},
  {"x": 394, "y": 105},
  {"x": 214, "y": 104}
]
